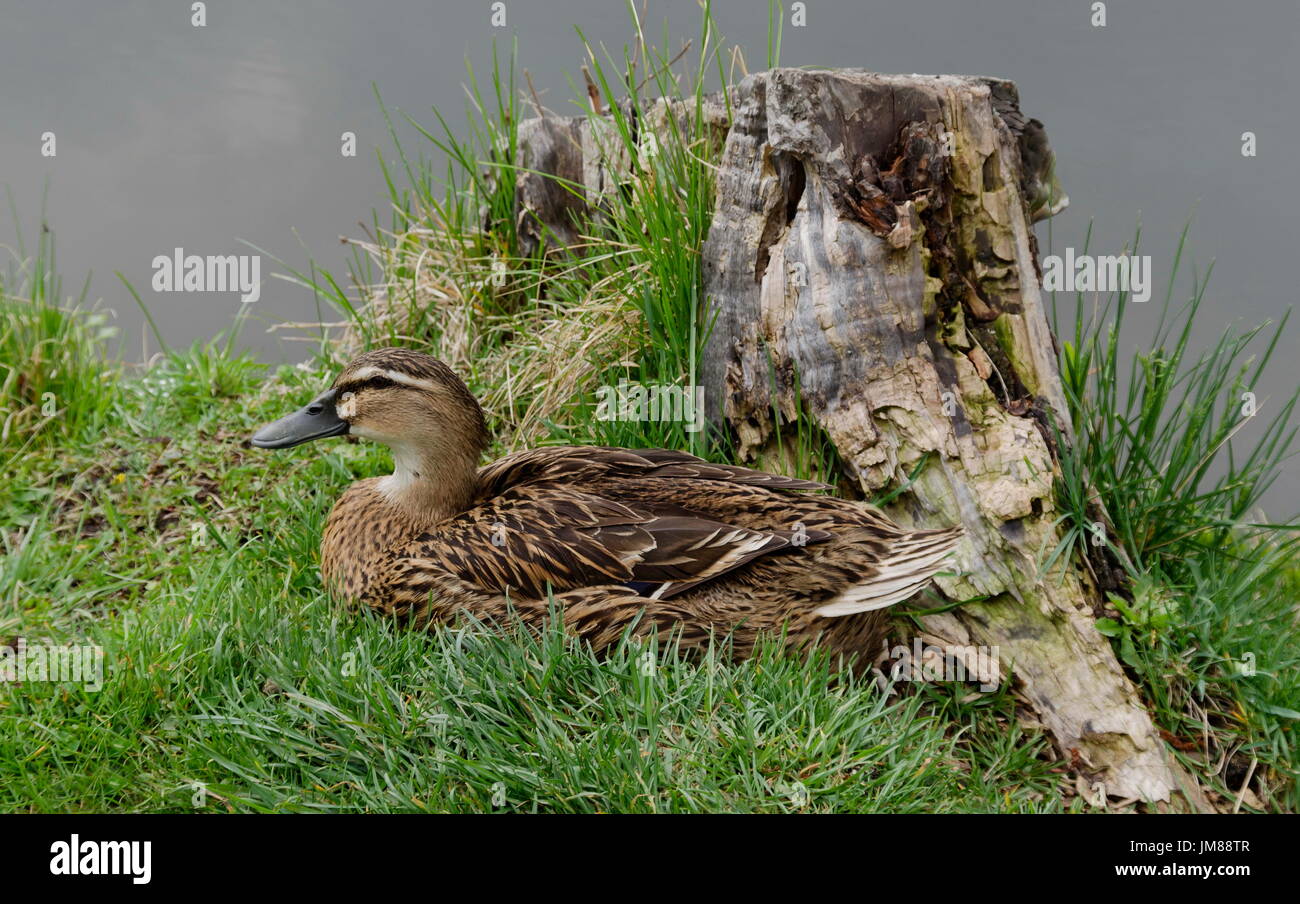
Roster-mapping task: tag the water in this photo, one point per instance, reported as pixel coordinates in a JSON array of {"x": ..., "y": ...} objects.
[{"x": 202, "y": 138}]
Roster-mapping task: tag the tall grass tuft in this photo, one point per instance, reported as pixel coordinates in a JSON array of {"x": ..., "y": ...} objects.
[
  {"x": 55, "y": 379},
  {"x": 539, "y": 332},
  {"x": 1162, "y": 473}
]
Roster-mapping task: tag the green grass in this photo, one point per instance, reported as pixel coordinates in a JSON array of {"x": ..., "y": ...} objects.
[
  {"x": 1167, "y": 440},
  {"x": 54, "y": 383}
]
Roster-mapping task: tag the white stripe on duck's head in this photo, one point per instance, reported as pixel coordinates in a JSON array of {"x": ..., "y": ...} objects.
[{"x": 409, "y": 401}]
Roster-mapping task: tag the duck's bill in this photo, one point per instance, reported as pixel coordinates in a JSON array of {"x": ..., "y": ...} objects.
[{"x": 314, "y": 421}]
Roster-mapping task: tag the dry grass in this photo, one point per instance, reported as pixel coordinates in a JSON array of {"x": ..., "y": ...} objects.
[{"x": 531, "y": 356}]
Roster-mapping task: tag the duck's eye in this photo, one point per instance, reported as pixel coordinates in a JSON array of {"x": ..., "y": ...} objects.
[{"x": 347, "y": 395}]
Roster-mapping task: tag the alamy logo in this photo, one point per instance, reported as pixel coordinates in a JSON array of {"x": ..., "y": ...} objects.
[
  {"x": 1098, "y": 273},
  {"x": 103, "y": 858},
  {"x": 655, "y": 402},
  {"x": 929, "y": 663},
  {"x": 75, "y": 664},
  {"x": 181, "y": 272}
]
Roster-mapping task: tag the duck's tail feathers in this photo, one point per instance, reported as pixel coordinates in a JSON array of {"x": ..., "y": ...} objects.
[{"x": 912, "y": 561}]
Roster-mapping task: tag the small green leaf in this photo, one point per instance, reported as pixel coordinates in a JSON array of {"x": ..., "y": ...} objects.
[
  {"x": 1109, "y": 627},
  {"x": 1127, "y": 651}
]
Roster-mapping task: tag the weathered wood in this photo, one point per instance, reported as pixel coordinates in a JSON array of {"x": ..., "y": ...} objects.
[
  {"x": 871, "y": 264},
  {"x": 550, "y": 160}
]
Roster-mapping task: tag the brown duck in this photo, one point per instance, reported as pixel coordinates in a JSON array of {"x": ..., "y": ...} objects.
[{"x": 651, "y": 538}]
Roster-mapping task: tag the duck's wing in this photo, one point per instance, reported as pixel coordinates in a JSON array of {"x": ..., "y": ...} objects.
[
  {"x": 533, "y": 537},
  {"x": 580, "y": 466},
  {"x": 667, "y": 482}
]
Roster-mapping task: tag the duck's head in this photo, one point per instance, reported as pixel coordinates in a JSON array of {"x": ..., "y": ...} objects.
[{"x": 410, "y": 402}]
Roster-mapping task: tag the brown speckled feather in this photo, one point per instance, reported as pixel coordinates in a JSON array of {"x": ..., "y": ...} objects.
[{"x": 532, "y": 536}]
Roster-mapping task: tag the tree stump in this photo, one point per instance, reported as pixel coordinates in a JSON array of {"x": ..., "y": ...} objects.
[{"x": 871, "y": 265}]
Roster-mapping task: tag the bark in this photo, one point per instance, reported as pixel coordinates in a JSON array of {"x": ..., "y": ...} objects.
[{"x": 550, "y": 157}]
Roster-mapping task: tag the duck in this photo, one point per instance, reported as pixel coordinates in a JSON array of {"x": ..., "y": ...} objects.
[{"x": 614, "y": 542}]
